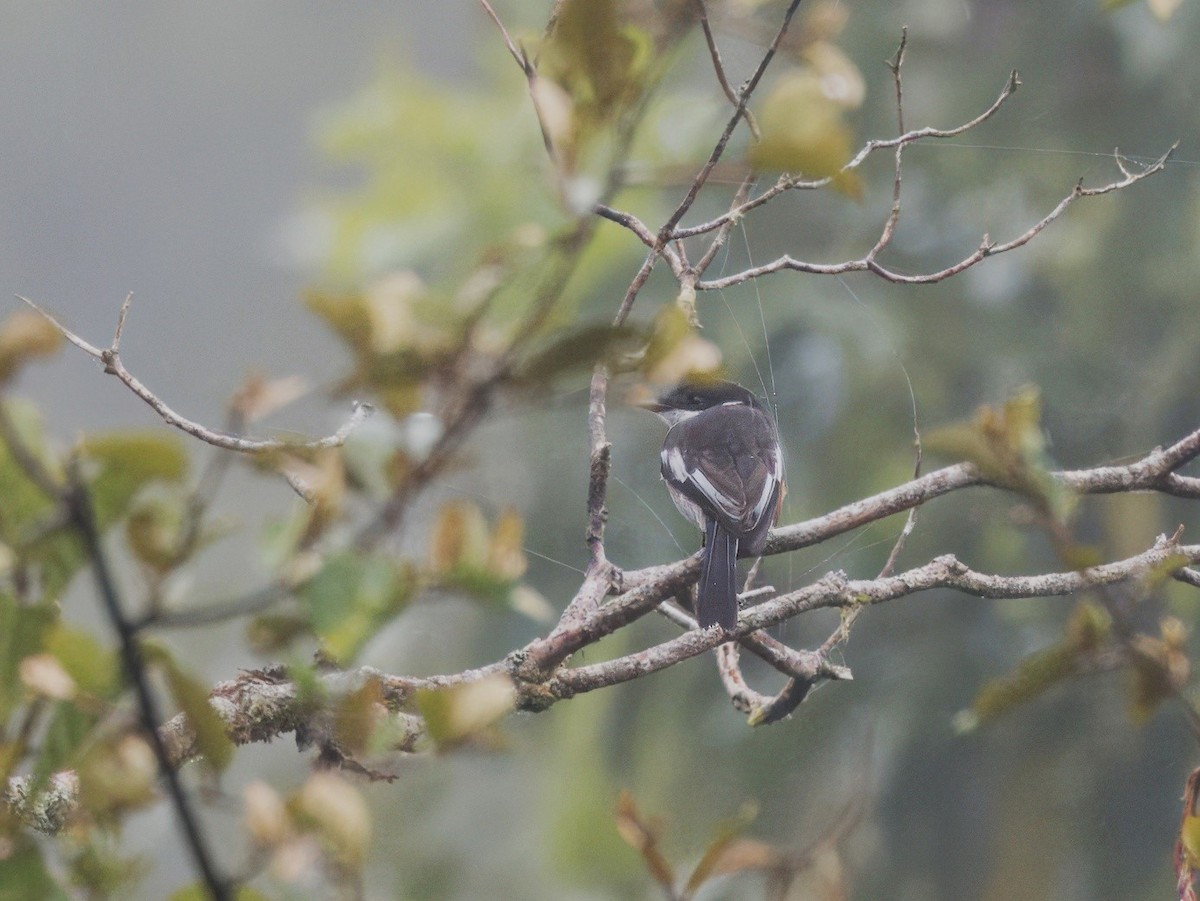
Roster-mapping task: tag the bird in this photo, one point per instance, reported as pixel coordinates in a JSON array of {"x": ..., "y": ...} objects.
[{"x": 723, "y": 468}]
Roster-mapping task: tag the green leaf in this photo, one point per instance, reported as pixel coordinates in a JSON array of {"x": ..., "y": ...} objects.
[
  {"x": 200, "y": 893},
  {"x": 153, "y": 530},
  {"x": 1087, "y": 629},
  {"x": 66, "y": 736},
  {"x": 25, "y": 505},
  {"x": 574, "y": 351},
  {"x": 23, "y": 631},
  {"x": 124, "y": 463},
  {"x": 356, "y": 717},
  {"x": 117, "y": 774},
  {"x": 272, "y": 632},
  {"x": 95, "y": 668},
  {"x": 192, "y": 697},
  {"x": 106, "y": 873},
  {"x": 351, "y": 598},
  {"x": 117, "y": 465},
  {"x": 24, "y": 877},
  {"x": 1009, "y": 448}
]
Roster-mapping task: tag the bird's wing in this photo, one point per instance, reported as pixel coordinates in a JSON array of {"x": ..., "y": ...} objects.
[{"x": 729, "y": 464}]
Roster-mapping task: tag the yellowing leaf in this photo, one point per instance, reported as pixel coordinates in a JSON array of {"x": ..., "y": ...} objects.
[
  {"x": 461, "y": 712},
  {"x": 1189, "y": 837},
  {"x": 803, "y": 132},
  {"x": 338, "y": 814},
  {"x": 716, "y": 854},
  {"x": 1163, "y": 9},
  {"x": 45, "y": 676},
  {"x": 506, "y": 555},
  {"x": 644, "y": 837},
  {"x": 459, "y": 536},
  {"x": 153, "y": 533},
  {"x": 266, "y": 817},
  {"x": 597, "y": 59},
  {"x": 357, "y": 716},
  {"x": 24, "y": 336},
  {"x": 390, "y": 303},
  {"x": 746, "y": 854},
  {"x": 192, "y": 697},
  {"x": 118, "y": 775},
  {"x": 675, "y": 350},
  {"x": 259, "y": 397},
  {"x": 556, "y": 112},
  {"x": 840, "y": 79}
]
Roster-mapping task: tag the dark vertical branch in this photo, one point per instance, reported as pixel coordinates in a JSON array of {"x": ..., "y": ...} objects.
[{"x": 80, "y": 511}]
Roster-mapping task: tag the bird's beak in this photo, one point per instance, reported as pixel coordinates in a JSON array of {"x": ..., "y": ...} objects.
[{"x": 640, "y": 396}]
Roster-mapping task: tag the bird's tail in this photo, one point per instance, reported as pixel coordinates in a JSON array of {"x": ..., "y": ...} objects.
[{"x": 716, "y": 597}]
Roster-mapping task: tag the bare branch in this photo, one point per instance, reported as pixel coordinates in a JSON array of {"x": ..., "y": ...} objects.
[
  {"x": 835, "y": 590},
  {"x": 667, "y": 232},
  {"x": 719, "y": 69},
  {"x": 116, "y": 342},
  {"x": 647, "y": 237},
  {"x": 987, "y": 247},
  {"x": 114, "y": 366},
  {"x": 788, "y": 183},
  {"x": 257, "y": 706},
  {"x": 517, "y": 53},
  {"x": 722, "y": 234}
]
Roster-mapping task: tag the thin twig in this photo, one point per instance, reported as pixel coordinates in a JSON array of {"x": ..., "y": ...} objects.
[
  {"x": 667, "y": 232},
  {"x": 719, "y": 68},
  {"x": 987, "y": 247},
  {"x": 517, "y": 54},
  {"x": 114, "y": 366},
  {"x": 788, "y": 183},
  {"x": 893, "y": 219},
  {"x": 116, "y": 342}
]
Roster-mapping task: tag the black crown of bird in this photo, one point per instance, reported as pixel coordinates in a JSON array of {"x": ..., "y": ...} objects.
[{"x": 723, "y": 467}]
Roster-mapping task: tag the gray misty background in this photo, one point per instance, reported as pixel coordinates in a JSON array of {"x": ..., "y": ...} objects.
[{"x": 167, "y": 149}]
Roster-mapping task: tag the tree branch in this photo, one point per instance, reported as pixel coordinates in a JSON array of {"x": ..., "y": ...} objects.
[
  {"x": 987, "y": 247},
  {"x": 79, "y": 507},
  {"x": 113, "y": 365},
  {"x": 835, "y": 590}
]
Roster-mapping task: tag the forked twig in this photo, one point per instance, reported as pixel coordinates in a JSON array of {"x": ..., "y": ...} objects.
[{"x": 113, "y": 365}]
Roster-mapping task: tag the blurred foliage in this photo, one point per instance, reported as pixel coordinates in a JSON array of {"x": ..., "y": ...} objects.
[{"x": 466, "y": 276}]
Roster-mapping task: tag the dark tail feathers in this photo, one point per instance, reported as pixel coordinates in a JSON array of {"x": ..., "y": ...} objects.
[{"x": 716, "y": 597}]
